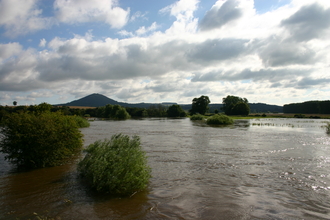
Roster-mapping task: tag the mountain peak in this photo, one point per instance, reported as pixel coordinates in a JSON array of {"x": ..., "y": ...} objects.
[{"x": 93, "y": 100}]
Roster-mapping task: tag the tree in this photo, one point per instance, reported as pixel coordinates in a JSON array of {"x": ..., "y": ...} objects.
[
  {"x": 14, "y": 103},
  {"x": 175, "y": 111},
  {"x": 230, "y": 102},
  {"x": 33, "y": 140},
  {"x": 200, "y": 105}
]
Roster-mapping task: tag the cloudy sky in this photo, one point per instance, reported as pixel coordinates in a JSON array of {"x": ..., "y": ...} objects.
[{"x": 268, "y": 51}]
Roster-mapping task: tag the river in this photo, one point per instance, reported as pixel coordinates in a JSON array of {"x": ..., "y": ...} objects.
[{"x": 255, "y": 169}]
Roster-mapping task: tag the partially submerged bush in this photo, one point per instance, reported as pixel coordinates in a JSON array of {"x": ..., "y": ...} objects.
[
  {"x": 39, "y": 140},
  {"x": 116, "y": 166},
  {"x": 219, "y": 120},
  {"x": 81, "y": 122},
  {"x": 197, "y": 117}
]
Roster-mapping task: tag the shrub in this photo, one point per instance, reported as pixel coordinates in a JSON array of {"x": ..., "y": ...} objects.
[
  {"x": 39, "y": 140},
  {"x": 116, "y": 166},
  {"x": 197, "y": 117},
  {"x": 219, "y": 120},
  {"x": 81, "y": 122},
  {"x": 327, "y": 127}
]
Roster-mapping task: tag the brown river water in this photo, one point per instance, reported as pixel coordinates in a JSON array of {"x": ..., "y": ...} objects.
[{"x": 254, "y": 169}]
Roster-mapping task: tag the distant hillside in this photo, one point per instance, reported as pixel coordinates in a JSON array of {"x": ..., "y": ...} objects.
[
  {"x": 93, "y": 100},
  {"x": 98, "y": 100}
]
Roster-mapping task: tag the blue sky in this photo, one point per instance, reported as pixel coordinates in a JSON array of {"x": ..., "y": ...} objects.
[{"x": 269, "y": 51}]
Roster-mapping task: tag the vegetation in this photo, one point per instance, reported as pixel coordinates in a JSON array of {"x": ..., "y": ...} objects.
[
  {"x": 233, "y": 105},
  {"x": 200, "y": 105},
  {"x": 327, "y": 127},
  {"x": 310, "y": 107},
  {"x": 176, "y": 111},
  {"x": 116, "y": 112},
  {"x": 197, "y": 117},
  {"x": 43, "y": 139},
  {"x": 81, "y": 122},
  {"x": 116, "y": 166},
  {"x": 219, "y": 119}
]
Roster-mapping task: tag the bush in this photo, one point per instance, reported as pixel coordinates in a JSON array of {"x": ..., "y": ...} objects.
[
  {"x": 219, "y": 120},
  {"x": 39, "y": 140},
  {"x": 81, "y": 122},
  {"x": 327, "y": 127},
  {"x": 116, "y": 166},
  {"x": 197, "y": 117}
]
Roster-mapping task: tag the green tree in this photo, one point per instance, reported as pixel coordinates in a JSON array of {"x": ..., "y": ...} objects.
[
  {"x": 115, "y": 112},
  {"x": 200, "y": 105},
  {"x": 14, "y": 103},
  {"x": 175, "y": 111},
  {"x": 241, "y": 108},
  {"x": 39, "y": 140},
  {"x": 230, "y": 102}
]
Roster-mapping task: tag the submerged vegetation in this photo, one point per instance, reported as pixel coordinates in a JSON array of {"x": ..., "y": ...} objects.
[
  {"x": 219, "y": 119},
  {"x": 197, "y": 117},
  {"x": 39, "y": 139},
  {"x": 116, "y": 166},
  {"x": 327, "y": 127}
]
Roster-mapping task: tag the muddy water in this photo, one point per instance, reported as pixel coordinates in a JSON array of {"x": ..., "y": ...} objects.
[{"x": 255, "y": 169}]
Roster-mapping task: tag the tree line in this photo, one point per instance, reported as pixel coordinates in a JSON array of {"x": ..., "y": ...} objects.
[{"x": 310, "y": 107}]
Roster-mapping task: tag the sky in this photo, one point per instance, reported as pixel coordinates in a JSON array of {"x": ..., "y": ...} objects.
[{"x": 268, "y": 51}]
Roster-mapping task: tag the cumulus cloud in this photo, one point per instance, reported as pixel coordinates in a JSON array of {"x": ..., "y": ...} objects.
[
  {"x": 277, "y": 52},
  {"x": 42, "y": 42},
  {"x": 309, "y": 22},
  {"x": 18, "y": 18},
  {"x": 221, "y": 14},
  {"x": 78, "y": 11},
  {"x": 267, "y": 55}
]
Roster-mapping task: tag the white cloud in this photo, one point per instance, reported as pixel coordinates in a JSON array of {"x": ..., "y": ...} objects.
[
  {"x": 42, "y": 42},
  {"x": 257, "y": 56},
  {"x": 19, "y": 18},
  {"x": 143, "y": 30},
  {"x": 78, "y": 11}
]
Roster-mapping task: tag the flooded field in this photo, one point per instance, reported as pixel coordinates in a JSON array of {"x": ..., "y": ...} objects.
[{"x": 255, "y": 169}]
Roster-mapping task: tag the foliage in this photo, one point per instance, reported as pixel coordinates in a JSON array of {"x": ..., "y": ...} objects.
[
  {"x": 39, "y": 140},
  {"x": 327, "y": 127},
  {"x": 81, "y": 122},
  {"x": 116, "y": 166},
  {"x": 116, "y": 112},
  {"x": 176, "y": 111},
  {"x": 233, "y": 105},
  {"x": 219, "y": 119},
  {"x": 197, "y": 117},
  {"x": 309, "y": 107},
  {"x": 200, "y": 105},
  {"x": 241, "y": 108}
]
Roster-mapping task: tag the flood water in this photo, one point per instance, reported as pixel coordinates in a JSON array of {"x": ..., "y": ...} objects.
[{"x": 254, "y": 169}]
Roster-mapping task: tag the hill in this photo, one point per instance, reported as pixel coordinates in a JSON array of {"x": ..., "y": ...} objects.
[
  {"x": 93, "y": 100},
  {"x": 98, "y": 100}
]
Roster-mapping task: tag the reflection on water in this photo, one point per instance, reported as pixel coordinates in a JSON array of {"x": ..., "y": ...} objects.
[{"x": 254, "y": 169}]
